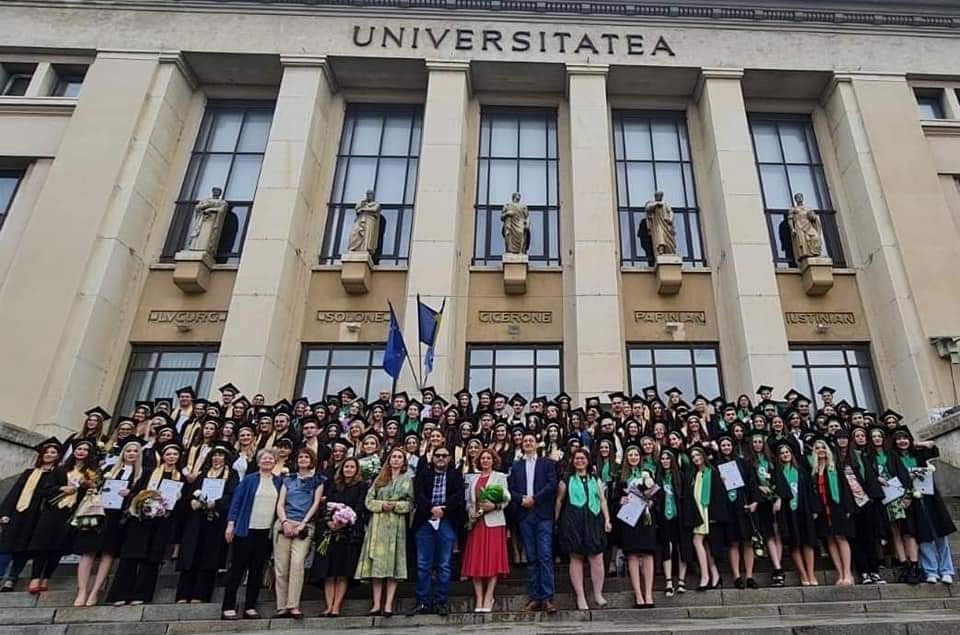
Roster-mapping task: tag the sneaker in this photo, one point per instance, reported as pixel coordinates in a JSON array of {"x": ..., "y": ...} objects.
[
  {"x": 932, "y": 579},
  {"x": 419, "y": 609},
  {"x": 947, "y": 579},
  {"x": 877, "y": 578},
  {"x": 866, "y": 578}
]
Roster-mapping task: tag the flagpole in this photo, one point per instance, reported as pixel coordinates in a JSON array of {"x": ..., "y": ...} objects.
[{"x": 419, "y": 343}]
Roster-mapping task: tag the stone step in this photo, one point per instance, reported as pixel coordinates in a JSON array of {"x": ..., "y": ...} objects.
[
  {"x": 917, "y": 616},
  {"x": 724, "y": 598},
  {"x": 63, "y": 590}
]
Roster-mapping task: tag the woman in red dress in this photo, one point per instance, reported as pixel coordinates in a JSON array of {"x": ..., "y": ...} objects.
[{"x": 485, "y": 556}]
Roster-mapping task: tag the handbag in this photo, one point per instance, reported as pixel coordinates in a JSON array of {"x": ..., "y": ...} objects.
[{"x": 90, "y": 513}]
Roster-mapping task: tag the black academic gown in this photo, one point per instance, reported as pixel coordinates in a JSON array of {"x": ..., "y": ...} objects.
[
  {"x": 836, "y": 517},
  {"x": 740, "y": 528},
  {"x": 931, "y": 519},
  {"x": 16, "y": 534},
  {"x": 203, "y": 546},
  {"x": 797, "y": 527},
  {"x": 148, "y": 538},
  {"x": 53, "y": 531}
]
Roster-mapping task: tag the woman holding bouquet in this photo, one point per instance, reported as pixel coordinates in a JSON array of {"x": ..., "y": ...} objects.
[
  {"x": 383, "y": 559},
  {"x": 336, "y": 563},
  {"x": 485, "y": 554},
  {"x": 761, "y": 461},
  {"x": 202, "y": 549},
  {"x": 300, "y": 497},
  {"x": 106, "y": 539},
  {"x": 638, "y": 542},
  {"x": 54, "y": 532},
  {"x": 20, "y": 510},
  {"x": 149, "y": 531},
  {"x": 583, "y": 520}
]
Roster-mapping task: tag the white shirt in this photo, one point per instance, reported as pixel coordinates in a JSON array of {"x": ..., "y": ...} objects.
[{"x": 530, "y": 462}]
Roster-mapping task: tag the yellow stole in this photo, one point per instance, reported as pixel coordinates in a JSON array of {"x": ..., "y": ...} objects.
[
  {"x": 26, "y": 494},
  {"x": 69, "y": 500},
  {"x": 157, "y": 475}
]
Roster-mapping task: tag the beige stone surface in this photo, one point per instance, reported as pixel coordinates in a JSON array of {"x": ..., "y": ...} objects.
[
  {"x": 535, "y": 317},
  {"x": 327, "y": 297},
  {"x": 163, "y": 306},
  {"x": 438, "y": 268},
  {"x": 260, "y": 348},
  {"x": 88, "y": 279},
  {"x": 647, "y": 313},
  {"x": 597, "y": 314},
  {"x": 749, "y": 311},
  {"x": 841, "y": 310}
]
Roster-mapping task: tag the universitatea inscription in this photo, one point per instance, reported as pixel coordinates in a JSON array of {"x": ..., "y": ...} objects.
[{"x": 462, "y": 39}]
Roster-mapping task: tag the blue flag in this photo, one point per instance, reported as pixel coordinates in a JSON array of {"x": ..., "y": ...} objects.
[
  {"x": 396, "y": 350},
  {"x": 429, "y": 321}
]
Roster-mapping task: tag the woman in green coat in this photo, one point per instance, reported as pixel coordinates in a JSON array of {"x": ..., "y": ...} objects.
[{"x": 384, "y": 553}]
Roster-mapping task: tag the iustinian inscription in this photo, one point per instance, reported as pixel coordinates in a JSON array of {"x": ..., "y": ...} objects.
[
  {"x": 338, "y": 317},
  {"x": 160, "y": 316},
  {"x": 697, "y": 318},
  {"x": 577, "y": 43},
  {"x": 825, "y": 317},
  {"x": 515, "y": 317}
]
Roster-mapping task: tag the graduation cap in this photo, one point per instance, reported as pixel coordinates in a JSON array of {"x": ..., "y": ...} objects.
[
  {"x": 729, "y": 407},
  {"x": 485, "y": 391},
  {"x": 499, "y": 395},
  {"x": 682, "y": 404},
  {"x": 347, "y": 392},
  {"x": 125, "y": 420},
  {"x": 791, "y": 395},
  {"x": 560, "y": 397},
  {"x": 651, "y": 388},
  {"x": 428, "y": 390},
  {"x": 264, "y": 411},
  {"x": 802, "y": 398},
  {"x": 318, "y": 404},
  {"x": 463, "y": 391},
  {"x": 50, "y": 442},
  {"x": 241, "y": 400},
  {"x": 766, "y": 403},
  {"x": 332, "y": 400},
  {"x": 163, "y": 401},
  {"x": 891, "y": 413},
  {"x": 762, "y": 388},
  {"x": 402, "y": 393},
  {"x": 170, "y": 444},
  {"x": 97, "y": 411},
  {"x": 146, "y": 405},
  {"x": 167, "y": 419},
  {"x": 826, "y": 390},
  {"x": 414, "y": 402},
  {"x": 902, "y": 431},
  {"x": 617, "y": 394},
  {"x": 637, "y": 399},
  {"x": 541, "y": 400},
  {"x": 377, "y": 404},
  {"x": 701, "y": 397},
  {"x": 592, "y": 401},
  {"x": 782, "y": 443},
  {"x": 842, "y": 404},
  {"x": 284, "y": 441},
  {"x": 372, "y": 433},
  {"x": 281, "y": 406},
  {"x": 228, "y": 387},
  {"x": 670, "y": 391},
  {"x": 187, "y": 390},
  {"x": 855, "y": 409},
  {"x": 221, "y": 447},
  {"x": 217, "y": 421},
  {"x": 248, "y": 425},
  {"x": 518, "y": 398},
  {"x": 440, "y": 400}
]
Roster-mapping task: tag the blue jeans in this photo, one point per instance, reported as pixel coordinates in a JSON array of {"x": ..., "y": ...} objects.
[
  {"x": 936, "y": 558},
  {"x": 434, "y": 550},
  {"x": 537, "y": 535}
]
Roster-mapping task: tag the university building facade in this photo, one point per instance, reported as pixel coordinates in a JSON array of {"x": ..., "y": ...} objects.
[{"x": 115, "y": 119}]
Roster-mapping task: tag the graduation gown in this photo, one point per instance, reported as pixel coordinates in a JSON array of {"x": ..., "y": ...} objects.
[
  {"x": 797, "y": 527},
  {"x": 719, "y": 513},
  {"x": 107, "y": 538},
  {"x": 53, "y": 531},
  {"x": 202, "y": 546},
  {"x": 15, "y": 535},
  {"x": 740, "y": 528},
  {"x": 147, "y": 538},
  {"x": 930, "y": 516},
  {"x": 836, "y": 517}
]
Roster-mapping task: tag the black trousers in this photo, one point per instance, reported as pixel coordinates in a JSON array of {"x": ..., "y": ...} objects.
[
  {"x": 250, "y": 555},
  {"x": 196, "y": 584},
  {"x": 134, "y": 581},
  {"x": 45, "y": 563}
]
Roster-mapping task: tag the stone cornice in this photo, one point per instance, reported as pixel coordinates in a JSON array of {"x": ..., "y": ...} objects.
[{"x": 899, "y": 15}]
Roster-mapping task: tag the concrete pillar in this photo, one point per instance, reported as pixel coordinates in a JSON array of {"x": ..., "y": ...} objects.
[
  {"x": 260, "y": 346},
  {"x": 437, "y": 267},
  {"x": 905, "y": 268},
  {"x": 753, "y": 339},
  {"x": 100, "y": 198},
  {"x": 600, "y": 349}
]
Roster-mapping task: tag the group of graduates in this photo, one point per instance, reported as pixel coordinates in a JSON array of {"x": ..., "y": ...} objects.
[{"x": 341, "y": 490}]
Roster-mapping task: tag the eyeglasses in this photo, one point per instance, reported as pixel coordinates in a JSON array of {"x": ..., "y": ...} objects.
[{"x": 441, "y": 456}]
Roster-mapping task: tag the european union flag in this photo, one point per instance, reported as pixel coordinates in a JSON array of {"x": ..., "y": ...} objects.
[
  {"x": 396, "y": 350},
  {"x": 429, "y": 321}
]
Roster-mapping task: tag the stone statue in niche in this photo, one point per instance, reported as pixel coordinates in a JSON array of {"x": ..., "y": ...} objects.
[
  {"x": 208, "y": 218},
  {"x": 516, "y": 226},
  {"x": 365, "y": 233},
  {"x": 806, "y": 231},
  {"x": 663, "y": 235}
]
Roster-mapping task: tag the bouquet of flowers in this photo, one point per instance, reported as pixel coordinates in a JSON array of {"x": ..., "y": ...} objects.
[
  {"x": 492, "y": 494},
  {"x": 343, "y": 516},
  {"x": 645, "y": 488},
  {"x": 201, "y": 501},
  {"x": 147, "y": 505},
  {"x": 369, "y": 467}
]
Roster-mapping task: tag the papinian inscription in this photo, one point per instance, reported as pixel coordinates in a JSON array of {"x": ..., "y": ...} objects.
[{"x": 698, "y": 318}]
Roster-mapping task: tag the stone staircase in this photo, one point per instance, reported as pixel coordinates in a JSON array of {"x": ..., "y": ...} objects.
[{"x": 870, "y": 609}]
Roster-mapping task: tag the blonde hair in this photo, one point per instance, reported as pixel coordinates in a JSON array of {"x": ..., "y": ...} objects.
[
  {"x": 815, "y": 462},
  {"x": 137, "y": 466}
]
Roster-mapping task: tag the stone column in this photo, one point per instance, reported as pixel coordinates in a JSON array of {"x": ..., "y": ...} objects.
[
  {"x": 753, "y": 339},
  {"x": 260, "y": 345},
  {"x": 437, "y": 268},
  {"x": 906, "y": 270},
  {"x": 599, "y": 348},
  {"x": 85, "y": 239}
]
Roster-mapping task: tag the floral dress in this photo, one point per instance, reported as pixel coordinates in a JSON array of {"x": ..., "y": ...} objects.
[{"x": 384, "y": 553}]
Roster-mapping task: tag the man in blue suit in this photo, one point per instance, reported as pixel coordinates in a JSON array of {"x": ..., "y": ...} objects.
[{"x": 533, "y": 489}]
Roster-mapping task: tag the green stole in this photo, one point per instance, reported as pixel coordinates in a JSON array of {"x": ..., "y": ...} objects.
[
  {"x": 834, "y": 484},
  {"x": 706, "y": 482},
  {"x": 909, "y": 462},
  {"x": 669, "y": 500},
  {"x": 793, "y": 478},
  {"x": 580, "y": 495}
]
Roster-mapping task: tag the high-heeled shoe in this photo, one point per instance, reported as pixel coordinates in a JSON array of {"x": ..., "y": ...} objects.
[
  {"x": 718, "y": 584},
  {"x": 374, "y": 613},
  {"x": 702, "y": 587}
]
